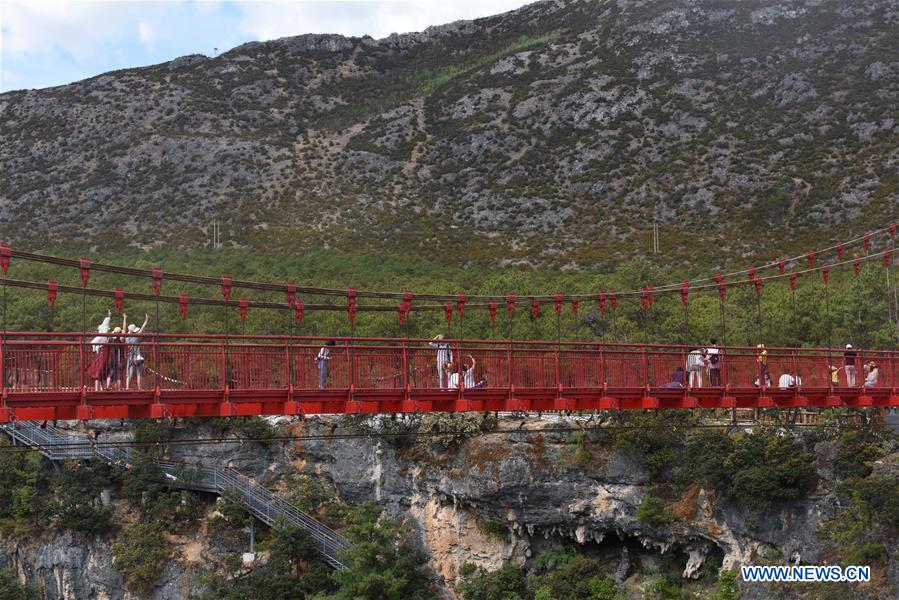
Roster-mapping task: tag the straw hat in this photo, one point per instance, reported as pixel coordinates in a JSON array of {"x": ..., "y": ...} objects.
[
  {"x": 132, "y": 328},
  {"x": 117, "y": 330}
]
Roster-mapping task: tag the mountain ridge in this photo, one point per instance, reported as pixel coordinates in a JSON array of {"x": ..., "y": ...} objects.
[{"x": 553, "y": 135}]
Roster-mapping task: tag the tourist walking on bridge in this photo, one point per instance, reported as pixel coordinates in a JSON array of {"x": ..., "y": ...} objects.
[
  {"x": 322, "y": 360},
  {"x": 444, "y": 355}
]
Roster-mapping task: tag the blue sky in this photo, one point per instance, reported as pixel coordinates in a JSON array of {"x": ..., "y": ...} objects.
[{"x": 48, "y": 43}]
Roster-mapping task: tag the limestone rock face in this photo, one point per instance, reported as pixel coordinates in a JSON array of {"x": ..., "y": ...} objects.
[
  {"x": 521, "y": 480},
  {"x": 493, "y": 498}
]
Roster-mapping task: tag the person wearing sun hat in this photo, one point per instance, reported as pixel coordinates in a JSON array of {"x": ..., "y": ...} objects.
[
  {"x": 135, "y": 361},
  {"x": 850, "y": 357},
  {"x": 115, "y": 361},
  {"x": 444, "y": 355}
]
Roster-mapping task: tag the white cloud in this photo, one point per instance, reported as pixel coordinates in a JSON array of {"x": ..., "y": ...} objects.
[
  {"x": 147, "y": 35},
  {"x": 81, "y": 29},
  {"x": 270, "y": 20}
]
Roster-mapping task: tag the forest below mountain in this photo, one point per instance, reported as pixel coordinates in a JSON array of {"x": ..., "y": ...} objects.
[{"x": 553, "y": 135}]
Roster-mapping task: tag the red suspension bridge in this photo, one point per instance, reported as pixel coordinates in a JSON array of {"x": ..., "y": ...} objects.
[
  {"x": 50, "y": 375},
  {"x": 46, "y": 377}
]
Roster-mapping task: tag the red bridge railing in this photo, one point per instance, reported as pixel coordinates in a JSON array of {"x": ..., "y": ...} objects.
[{"x": 46, "y": 376}]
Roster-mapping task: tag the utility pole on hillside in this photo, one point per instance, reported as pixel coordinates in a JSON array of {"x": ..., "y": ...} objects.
[{"x": 216, "y": 234}]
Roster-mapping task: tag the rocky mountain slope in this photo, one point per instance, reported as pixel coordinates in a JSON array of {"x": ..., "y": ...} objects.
[{"x": 555, "y": 134}]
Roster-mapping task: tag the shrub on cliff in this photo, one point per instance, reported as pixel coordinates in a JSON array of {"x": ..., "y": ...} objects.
[
  {"x": 860, "y": 532},
  {"x": 24, "y": 482},
  {"x": 11, "y": 589},
  {"x": 556, "y": 575},
  {"x": 657, "y": 437},
  {"x": 654, "y": 512},
  {"x": 768, "y": 468},
  {"x": 756, "y": 469},
  {"x": 506, "y": 583},
  {"x": 141, "y": 555},
  {"x": 855, "y": 456}
]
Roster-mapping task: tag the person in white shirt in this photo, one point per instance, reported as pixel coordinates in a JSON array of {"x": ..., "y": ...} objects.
[
  {"x": 452, "y": 375},
  {"x": 468, "y": 373},
  {"x": 786, "y": 380},
  {"x": 871, "y": 374},
  {"x": 695, "y": 361},
  {"x": 98, "y": 341},
  {"x": 444, "y": 355}
]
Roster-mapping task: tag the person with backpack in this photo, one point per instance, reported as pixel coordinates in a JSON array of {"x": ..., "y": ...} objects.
[{"x": 713, "y": 360}]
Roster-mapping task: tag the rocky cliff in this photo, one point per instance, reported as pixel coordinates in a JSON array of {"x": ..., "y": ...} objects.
[
  {"x": 507, "y": 496},
  {"x": 568, "y": 126}
]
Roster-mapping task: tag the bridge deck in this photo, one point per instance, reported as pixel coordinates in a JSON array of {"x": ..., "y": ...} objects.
[{"x": 47, "y": 376}]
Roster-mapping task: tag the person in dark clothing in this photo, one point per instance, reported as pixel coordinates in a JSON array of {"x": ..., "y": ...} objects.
[{"x": 115, "y": 362}]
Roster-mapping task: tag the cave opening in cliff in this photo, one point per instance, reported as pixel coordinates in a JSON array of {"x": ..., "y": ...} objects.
[{"x": 623, "y": 556}]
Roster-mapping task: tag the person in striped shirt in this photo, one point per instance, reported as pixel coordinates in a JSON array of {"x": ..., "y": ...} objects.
[
  {"x": 444, "y": 355},
  {"x": 695, "y": 362}
]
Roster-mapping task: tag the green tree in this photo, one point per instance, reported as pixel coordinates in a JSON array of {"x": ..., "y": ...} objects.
[
  {"x": 855, "y": 457},
  {"x": 571, "y": 576},
  {"x": 76, "y": 502},
  {"x": 506, "y": 583},
  {"x": 767, "y": 468},
  {"x": 141, "y": 555},
  {"x": 24, "y": 486},
  {"x": 703, "y": 459},
  {"x": 382, "y": 564},
  {"x": 656, "y": 436},
  {"x": 654, "y": 512},
  {"x": 11, "y": 589}
]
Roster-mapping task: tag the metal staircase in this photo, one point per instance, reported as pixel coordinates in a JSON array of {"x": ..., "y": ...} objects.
[{"x": 56, "y": 444}]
